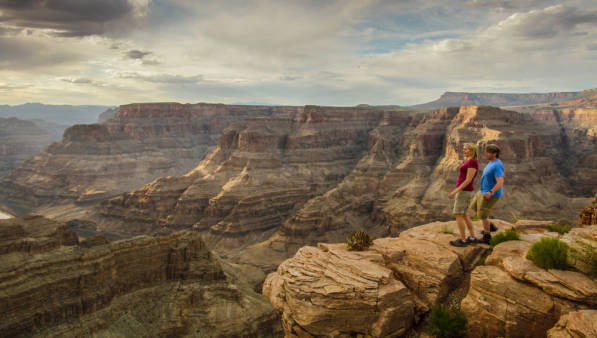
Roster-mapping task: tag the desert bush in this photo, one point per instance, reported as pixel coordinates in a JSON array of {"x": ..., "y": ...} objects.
[
  {"x": 586, "y": 254},
  {"x": 516, "y": 217},
  {"x": 446, "y": 323},
  {"x": 561, "y": 229},
  {"x": 508, "y": 235},
  {"x": 446, "y": 230},
  {"x": 359, "y": 241},
  {"x": 549, "y": 253}
]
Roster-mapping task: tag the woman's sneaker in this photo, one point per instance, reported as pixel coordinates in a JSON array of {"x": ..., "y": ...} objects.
[
  {"x": 471, "y": 240},
  {"x": 492, "y": 227},
  {"x": 459, "y": 242}
]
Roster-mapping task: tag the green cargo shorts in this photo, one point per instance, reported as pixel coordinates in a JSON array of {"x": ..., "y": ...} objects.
[
  {"x": 462, "y": 201},
  {"x": 482, "y": 206}
]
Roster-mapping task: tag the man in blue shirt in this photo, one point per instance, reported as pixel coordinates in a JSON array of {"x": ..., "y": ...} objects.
[{"x": 492, "y": 186}]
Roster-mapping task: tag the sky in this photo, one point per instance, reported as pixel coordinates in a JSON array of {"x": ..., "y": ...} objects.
[{"x": 295, "y": 52}]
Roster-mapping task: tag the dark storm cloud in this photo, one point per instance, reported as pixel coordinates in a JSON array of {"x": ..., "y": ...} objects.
[
  {"x": 551, "y": 21},
  {"x": 137, "y": 54},
  {"x": 20, "y": 54},
  {"x": 70, "y": 18}
]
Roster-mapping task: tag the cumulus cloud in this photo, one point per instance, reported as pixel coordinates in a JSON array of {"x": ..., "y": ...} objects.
[{"x": 72, "y": 18}]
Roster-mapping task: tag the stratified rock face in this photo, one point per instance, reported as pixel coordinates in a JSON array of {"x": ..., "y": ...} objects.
[
  {"x": 145, "y": 286},
  {"x": 512, "y": 297},
  {"x": 19, "y": 140},
  {"x": 576, "y": 324},
  {"x": 139, "y": 144},
  {"x": 381, "y": 292},
  {"x": 106, "y": 115},
  {"x": 589, "y": 215},
  {"x": 261, "y": 171},
  {"x": 456, "y": 99}
]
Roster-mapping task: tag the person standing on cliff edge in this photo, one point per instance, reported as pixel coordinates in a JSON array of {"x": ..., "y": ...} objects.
[
  {"x": 463, "y": 194},
  {"x": 492, "y": 187}
]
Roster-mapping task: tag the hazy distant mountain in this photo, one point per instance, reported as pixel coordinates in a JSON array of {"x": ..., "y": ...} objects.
[
  {"x": 60, "y": 114},
  {"x": 455, "y": 99}
]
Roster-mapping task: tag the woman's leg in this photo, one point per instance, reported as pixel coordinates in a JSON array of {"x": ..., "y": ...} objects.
[
  {"x": 469, "y": 224},
  {"x": 460, "y": 222}
]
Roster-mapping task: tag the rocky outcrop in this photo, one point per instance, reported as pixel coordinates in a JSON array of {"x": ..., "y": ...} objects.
[
  {"x": 106, "y": 115},
  {"x": 51, "y": 286},
  {"x": 588, "y": 216},
  {"x": 510, "y": 296},
  {"x": 576, "y": 324},
  {"x": 329, "y": 291},
  {"x": 19, "y": 140},
  {"x": 456, "y": 99},
  {"x": 139, "y": 144}
]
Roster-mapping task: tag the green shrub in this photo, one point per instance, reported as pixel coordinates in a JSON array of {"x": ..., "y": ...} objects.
[
  {"x": 359, "y": 241},
  {"x": 446, "y": 230},
  {"x": 516, "y": 217},
  {"x": 586, "y": 254},
  {"x": 445, "y": 323},
  {"x": 476, "y": 218},
  {"x": 549, "y": 253},
  {"x": 508, "y": 235},
  {"x": 561, "y": 229}
]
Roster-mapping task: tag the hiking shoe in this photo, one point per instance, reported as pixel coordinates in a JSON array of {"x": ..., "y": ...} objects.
[
  {"x": 486, "y": 239},
  {"x": 492, "y": 227},
  {"x": 459, "y": 242},
  {"x": 471, "y": 240}
]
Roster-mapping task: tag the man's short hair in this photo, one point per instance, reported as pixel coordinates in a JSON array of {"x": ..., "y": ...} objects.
[{"x": 493, "y": 149}]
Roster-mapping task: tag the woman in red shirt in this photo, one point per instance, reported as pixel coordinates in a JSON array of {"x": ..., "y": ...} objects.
[{"x": 463, "y": 194}]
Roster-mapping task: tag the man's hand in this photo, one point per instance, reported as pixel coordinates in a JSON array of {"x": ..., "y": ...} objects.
[{"x": 487, "y": 195}]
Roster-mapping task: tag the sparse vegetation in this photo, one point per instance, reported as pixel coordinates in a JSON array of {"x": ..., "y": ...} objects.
[
  {"x": 446, "y": 323},
  {"x": 446, "y": 230},
  {"x": 476, "y": 218},
  {"x": 586, "y": 254},
  {"x": 481, "y": 261},
  {"x": 359, "y": 241},
  {"x": 549, "y": 253},
  {"x": 561, "y": 229},
  {"x": 516, "y": 217},
  {"x": 508, "y": 235}
]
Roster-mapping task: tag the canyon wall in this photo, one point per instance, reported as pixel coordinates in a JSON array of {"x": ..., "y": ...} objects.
[
  {"x": 52, "y": 285},
  {"x": 273, "y": 185},
  {"x": 139, "y": 144},
  {"x": 19, "y": 140}
]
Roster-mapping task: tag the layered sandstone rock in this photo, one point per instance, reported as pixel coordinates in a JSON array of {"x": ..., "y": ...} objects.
[
  {"x": 145, "y": 286},
  {"x": 588, "y": 216},
  {"x": 576, "y": 324},
  {"x": 512, "y": 297},
  {"x": 261, "y": 171},
  {"x": 19, "y": 140},
  {"x": 455, "y": 99},
  {"x": 383, "y": 291},
  {"x": 140, "y": 143}
]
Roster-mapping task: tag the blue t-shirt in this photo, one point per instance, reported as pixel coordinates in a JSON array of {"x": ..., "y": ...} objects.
[{"x": 492, "y": 171}]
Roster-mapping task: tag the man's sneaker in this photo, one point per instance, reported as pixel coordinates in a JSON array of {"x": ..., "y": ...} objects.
[
  {"x": 492, "y": 227},
  {"x": 471, "y": 240},
  {"x": 459, "y": 242},
  {"x": 486, "y": 239}
]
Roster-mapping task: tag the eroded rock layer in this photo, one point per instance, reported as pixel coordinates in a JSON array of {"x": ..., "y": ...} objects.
[
  {"x": 139, "y": 144},
  {"x": 51, "y": 286},
  {"x": 19, "y": 140}
]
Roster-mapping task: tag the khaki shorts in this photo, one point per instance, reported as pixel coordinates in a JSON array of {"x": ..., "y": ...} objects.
[
  {"x": 482, "y": 206},
  {"x": 462, "y": 201}
]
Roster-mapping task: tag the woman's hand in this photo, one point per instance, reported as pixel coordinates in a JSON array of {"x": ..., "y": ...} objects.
[{"x": 452, "y": 195}]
